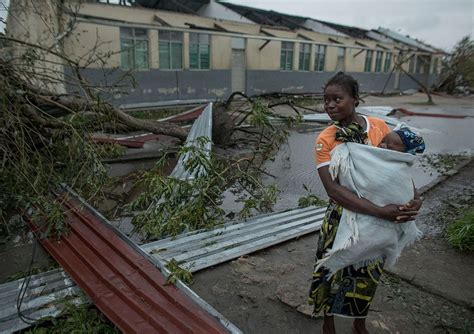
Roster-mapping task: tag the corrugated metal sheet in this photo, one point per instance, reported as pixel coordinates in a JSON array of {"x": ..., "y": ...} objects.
[
  {"x": 222, "y": 244},
  {"x": 121, "y": 280},
  {"x": 44, "y": 298},
  {"x": 202, "y": 127},
  {"x": 406, "y": 40},
  {"x": 198, "y": 250}
]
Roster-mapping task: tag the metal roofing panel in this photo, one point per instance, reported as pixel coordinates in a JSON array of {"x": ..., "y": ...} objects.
[
  {"x": 235, "y": 239},
  {"x": 202, "y": 127},
  {"x": 185, "y": 6},
  {"x": 405, "y": 39},
  {"x": 129, "y": 289},
  {"x": 195, "y": 251}
]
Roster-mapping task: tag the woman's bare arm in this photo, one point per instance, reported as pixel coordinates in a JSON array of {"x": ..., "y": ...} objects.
[{"x": 349, "y": 200}]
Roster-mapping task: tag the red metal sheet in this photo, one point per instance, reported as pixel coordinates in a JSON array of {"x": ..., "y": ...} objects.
[
  {"x": 187, "y": 116},
  {"x": 123, "y": 142},
  {"x": 122, "y": 283}
]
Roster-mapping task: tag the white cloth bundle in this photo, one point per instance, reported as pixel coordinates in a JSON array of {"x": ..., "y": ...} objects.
[{"x": 382, "y": 177}]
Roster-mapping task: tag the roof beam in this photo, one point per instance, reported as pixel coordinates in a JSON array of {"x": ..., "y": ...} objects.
[
  {"x": 264, "y": 45},
  {"x": 161, "y": 21},
  {"x": 334, "y": 41}
]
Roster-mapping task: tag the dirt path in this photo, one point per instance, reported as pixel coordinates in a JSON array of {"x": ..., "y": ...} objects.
[{"x": 428, "y": 292}]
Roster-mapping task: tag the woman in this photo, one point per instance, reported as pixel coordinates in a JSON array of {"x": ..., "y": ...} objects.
[{"x": 348, "y": 292}]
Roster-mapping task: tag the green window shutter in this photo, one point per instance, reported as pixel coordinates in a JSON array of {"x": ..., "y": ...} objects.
[
  {"x": 204, "y": 52},
  {"x": 164, "y": 55},
  {"x": 176, "y": 56},
  {"x": 126, "y": 53},
  {"x": 193, "y": 56},
  {"x": 141, "y": 55},
  {"x": 289, "y": 60}
]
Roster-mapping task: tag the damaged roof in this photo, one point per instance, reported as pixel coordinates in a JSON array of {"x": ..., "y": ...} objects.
[
  {"x": 347, "y": 30},
  {"x": 268, "y": 17},
  {"x": 183, "y": 6}
]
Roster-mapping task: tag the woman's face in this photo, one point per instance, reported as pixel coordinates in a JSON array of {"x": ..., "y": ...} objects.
[{"x": 338, "y": 104}]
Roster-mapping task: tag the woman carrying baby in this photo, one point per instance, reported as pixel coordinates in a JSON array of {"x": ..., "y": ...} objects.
[{"x": 349, "y": 291}]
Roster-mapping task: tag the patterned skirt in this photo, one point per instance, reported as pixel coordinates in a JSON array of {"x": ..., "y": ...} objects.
[{"x": 348, "y": 292}]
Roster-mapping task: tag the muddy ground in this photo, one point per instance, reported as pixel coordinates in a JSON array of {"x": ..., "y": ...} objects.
[{"x": 429, "y": 291}]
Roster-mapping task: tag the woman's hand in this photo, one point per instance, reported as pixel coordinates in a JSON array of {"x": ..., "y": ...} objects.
[{"x": 395, "y": 213}]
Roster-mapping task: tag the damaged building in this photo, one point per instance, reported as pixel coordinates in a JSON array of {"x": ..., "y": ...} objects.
[{"x": 206, "y": 49}]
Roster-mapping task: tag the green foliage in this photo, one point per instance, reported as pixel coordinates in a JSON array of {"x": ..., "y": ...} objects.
[
  {"x": 460, "y": 233},
  {"x": 39, "y": 152},
  {"x": 110, "y": 150},
  {"x": 171, "y": 206},
  {"x": 178, "y": 273},
  {"x": 310, "y": 199},
  {"x": 34, "y": 271},
  {"x": 458, "y": 69},
  {"x": 76, "y": 319}
]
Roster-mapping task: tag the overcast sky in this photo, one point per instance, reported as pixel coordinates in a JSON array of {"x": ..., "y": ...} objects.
[
  {"x": 438, "y": 22},
  {"x": 441, "y": 23}
]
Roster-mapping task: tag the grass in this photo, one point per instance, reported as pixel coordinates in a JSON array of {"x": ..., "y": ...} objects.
[
  {"x": 34, "y": 271},
  {"x": 77, "y": 319},
  {"x": 441, "y": 163},
  {"x": 460, "y": 233}
]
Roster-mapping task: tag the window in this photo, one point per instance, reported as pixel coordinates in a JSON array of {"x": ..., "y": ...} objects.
[
  {"x": 411, "y": 67},
  {"x": 378, "y": 61},
  {"x": 133, "y": 48},
  {"x": 286, "y": 57},
  {"x": 434, "y": 69},
  {"x": 388, "y": 62},
  {"x": 341, "y": 59},
  {"x": 305, "y": 54},
  {"x": 368, "y": 61},
  {"x": 320, "y": 57},
  {"x": 199, "y": 51},
  {"x": 418, "y": 64},
  {"x": 171, "y": 50}
]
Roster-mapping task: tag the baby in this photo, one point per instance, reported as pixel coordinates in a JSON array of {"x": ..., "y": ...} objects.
[{"x": 403, "y": 140}]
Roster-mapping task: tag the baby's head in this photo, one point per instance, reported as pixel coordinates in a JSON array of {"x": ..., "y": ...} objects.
[{"x": 403, "y": 140}]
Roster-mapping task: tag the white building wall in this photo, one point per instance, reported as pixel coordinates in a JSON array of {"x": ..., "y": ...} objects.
[{"x": 218, "y": 11}]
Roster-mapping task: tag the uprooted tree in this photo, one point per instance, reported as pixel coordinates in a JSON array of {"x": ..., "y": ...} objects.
[
  {"x": 45, "y": 131},
  {"x": 458, "y": 68}
]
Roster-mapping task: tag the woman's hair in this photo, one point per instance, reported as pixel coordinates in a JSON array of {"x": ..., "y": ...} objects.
[{"x": 346, "y": 82}]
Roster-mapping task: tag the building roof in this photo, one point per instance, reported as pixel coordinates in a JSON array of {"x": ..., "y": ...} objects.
[
  {"x": 183, "y": 6},
  {"x": 353, "y": 32},
  {"x": 268, "y": 17},
  {"x": 407, "y": 40}
]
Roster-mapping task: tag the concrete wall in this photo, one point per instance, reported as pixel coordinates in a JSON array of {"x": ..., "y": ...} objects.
[
  {"x": 259, "y": 82},
  {"x": 38, "y": 23},
  {"x": 93, "y": 40},
  {"x": 158, "y": 85}
]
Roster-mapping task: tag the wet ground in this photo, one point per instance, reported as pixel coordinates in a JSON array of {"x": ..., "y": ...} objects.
[
  {"x": 266, "y": 292},
  {"x": 429, "y": 291},
  {"x": 294, "y": 164}
]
